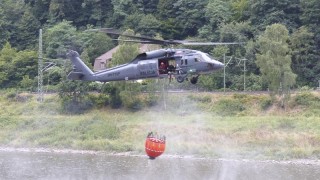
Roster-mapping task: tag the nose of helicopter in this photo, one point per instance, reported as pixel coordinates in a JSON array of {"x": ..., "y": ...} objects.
[{"x": 219, "y": 65}]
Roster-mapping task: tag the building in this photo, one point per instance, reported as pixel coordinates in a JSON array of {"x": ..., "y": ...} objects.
[{"x": 102, "y": 62}]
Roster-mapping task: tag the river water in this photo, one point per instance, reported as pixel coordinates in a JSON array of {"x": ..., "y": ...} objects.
[{"x": 69, "y": 165}]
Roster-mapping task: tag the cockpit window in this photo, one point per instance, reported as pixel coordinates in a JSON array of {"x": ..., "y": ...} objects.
[
  {"x": 198, "y": 58},
  {"x": 206, "y": 57}
]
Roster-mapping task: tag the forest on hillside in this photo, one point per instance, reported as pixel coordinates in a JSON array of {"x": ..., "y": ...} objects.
[{"x": 282, "y": 37}]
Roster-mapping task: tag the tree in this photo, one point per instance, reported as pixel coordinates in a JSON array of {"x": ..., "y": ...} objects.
[
  {"x": 126, "y": 52},
  {"x": 7, "y": 53},
  {"x": 148, "y": 25},
  {"x": 10, "y": 15},
  {"x": 268, "y": 12},
  {"x": 127, "y": 91},
  {"x": 147, "y": 6},
  {"x": 188, "y": 16},
  {"x": 25, "y": 66},
  {"x": 40, "y": 9},
  {"x": 240, "y": 9},
  {"x": 217, "y": 12},
  {"x": 274, "y": 60},
  {"x": 15, "y": 66},
  {"x": 305, "y": 61},
  {"x": 122, "y": 9},
  {"x": 95, "y": 44},
  {"x": 60, "y": 38},
  {"x": 27, "y": 31},
  {"x": 60, "y": 10}
]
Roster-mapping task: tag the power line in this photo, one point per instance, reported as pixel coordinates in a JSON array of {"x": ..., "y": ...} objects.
[{"x": 229, "y": 62}]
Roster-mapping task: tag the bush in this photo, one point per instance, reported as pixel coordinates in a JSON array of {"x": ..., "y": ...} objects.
[
  {"x": 11, "y": 95},
  {"x": 230, "y": 106},
  {"x": 202, "y": 99},
  {"x": 266, "y": 103},
  {"x": 76, "y": 107},
  {"x": 100, "y": 100},
  {"x": 151, "y": 100},
  {"x": 130, "y": 101},
  {"x": 306, "y": 99}
]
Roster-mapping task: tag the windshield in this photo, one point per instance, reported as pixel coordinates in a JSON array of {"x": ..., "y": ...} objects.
[{"x": 206, "y": 57}]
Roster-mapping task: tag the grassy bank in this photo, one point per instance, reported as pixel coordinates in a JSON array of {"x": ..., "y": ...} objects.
[{"x": 211, "y": 125}]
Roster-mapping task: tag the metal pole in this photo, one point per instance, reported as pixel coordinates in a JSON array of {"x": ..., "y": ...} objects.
[
  {"x": 164, "y": 94},
  {"x": 40, "y": 67},
  {"x": 244, "y": 74},
  {"x": 224, "y": 73}
]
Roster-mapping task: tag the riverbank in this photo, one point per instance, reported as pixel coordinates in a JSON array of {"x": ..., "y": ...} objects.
[{"x": 200, "y": 125}]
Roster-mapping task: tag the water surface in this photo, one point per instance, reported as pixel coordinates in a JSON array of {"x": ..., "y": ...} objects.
[{"x": 52, "y": 165}]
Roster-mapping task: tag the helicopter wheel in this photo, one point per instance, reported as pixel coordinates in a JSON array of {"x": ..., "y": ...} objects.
[
  {"x": 194, "y": 80},
  {"x": 180, "y": 79}
]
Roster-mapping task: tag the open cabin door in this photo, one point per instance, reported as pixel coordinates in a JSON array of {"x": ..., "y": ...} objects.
[{"x": 166, "y": 66}]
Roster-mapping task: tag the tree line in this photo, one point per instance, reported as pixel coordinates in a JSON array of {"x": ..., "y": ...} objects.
[{"x": 282, "y": 38}]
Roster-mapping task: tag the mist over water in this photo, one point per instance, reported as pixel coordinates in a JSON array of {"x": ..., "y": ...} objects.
[
  {"x": 56, "y": 165},
  {"x": 187, "y": 142}
]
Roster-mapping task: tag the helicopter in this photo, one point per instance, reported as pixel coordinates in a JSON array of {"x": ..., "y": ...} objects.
[{"x": 180, "y": 64}]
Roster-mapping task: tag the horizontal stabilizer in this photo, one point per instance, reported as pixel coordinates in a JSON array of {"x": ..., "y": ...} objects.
[{"x": 75, "y": 75}]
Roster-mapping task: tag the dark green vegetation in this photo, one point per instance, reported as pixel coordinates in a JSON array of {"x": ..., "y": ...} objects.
[
  {"x": 64, "y": 22},
  {"x": 199, "y": 124}
]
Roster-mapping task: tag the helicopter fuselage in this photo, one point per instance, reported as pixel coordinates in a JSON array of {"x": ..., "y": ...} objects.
[{"x": 161, "y": 63}]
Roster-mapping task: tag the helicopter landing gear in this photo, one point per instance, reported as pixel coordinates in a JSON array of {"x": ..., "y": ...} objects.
[
  {"x": 180, "y": 79},
  {"x": 194, "y": 79}
]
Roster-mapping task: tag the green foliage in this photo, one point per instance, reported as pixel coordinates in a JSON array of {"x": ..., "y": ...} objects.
[
  {"x": 229, "y": 107},
  {"x": 100, "y": 100},
  {"x": 202, "y": 99},
  {"x": 27, "y": 31},
  {"x": 11, "y": 94},
  {"x": 266, "y": 13},
  {"x": 126, "y": 51},
  {"x": 273, "y": 59},
  {"x": 131, "y": 100},
  {"x": 218, "y": 12},
  {"x": 64, "y": 23},
  {"x": 74, "y": 97},
  {"x": 114, "y": 93},
  {"x": 265, "y": 103},
  {"x": 240, "y": 8},
  {"x": 16, "y": 67},
  {"x": 306, "y": 99},
  {"x": 60, "y": 38},
  {"x": 95, "y": 44},
  {"x": 148, "y": 25},
  {"x": 305, "y": 61}
]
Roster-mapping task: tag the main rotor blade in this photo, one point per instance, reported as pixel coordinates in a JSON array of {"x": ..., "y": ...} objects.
[
  {"x": 99, "y": 30},
  {"x": 149, "y": 40},
  {"x": 208, "y": 43},
  {"x": 136, "y": 41}
]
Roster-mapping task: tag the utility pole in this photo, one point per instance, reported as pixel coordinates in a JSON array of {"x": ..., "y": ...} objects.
[
  {"x": 40, "y": 67},
  {"x": 244, "y": 74},
  {"x": 224, "y": 73}
]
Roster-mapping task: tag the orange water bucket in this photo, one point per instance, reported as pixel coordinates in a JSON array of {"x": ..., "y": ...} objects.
[{"x": 155, "y": 146}]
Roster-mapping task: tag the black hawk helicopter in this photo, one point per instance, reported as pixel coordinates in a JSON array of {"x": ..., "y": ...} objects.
[{"x": 181, "y": 64}]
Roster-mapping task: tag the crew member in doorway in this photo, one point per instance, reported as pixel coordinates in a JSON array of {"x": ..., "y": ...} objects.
[{"x": 162, "y": 68}]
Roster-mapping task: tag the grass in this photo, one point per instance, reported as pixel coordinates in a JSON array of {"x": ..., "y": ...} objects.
[{"x": 209, "y": 125}]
